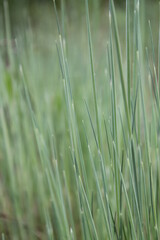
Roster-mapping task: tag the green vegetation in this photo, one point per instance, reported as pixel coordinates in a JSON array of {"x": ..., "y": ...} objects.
[{"x": 80, "y": 126}]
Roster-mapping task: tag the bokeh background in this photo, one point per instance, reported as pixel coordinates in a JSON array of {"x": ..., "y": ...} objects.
[{"x": 33, "y": 26}]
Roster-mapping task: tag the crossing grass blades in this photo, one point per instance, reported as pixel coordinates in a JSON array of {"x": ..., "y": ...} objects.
[{"x": 105, "y": 182}]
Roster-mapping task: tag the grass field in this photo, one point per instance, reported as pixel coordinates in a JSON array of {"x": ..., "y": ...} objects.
[{"x": 80, "y": 122}]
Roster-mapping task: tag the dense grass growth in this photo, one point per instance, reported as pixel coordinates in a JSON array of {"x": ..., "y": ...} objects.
[{"x": 80, "y": 147}]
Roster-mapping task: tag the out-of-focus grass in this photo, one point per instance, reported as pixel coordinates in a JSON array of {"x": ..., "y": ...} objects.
[{"x": 57, "y": 179}]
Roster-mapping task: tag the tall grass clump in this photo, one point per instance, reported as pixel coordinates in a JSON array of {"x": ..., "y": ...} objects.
[{"x": 80, "y": 160}]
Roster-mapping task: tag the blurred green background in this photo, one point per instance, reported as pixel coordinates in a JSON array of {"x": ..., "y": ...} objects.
[{"x": 33, "y": 25}]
